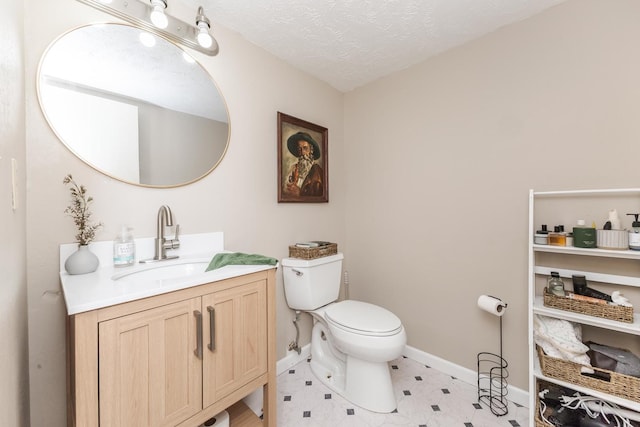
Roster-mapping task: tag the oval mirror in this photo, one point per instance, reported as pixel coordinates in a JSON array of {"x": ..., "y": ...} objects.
[{"x": 133, "y": 105}]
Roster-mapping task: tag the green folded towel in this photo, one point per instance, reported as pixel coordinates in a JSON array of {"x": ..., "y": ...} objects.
[{"x": 238, "y": 258}]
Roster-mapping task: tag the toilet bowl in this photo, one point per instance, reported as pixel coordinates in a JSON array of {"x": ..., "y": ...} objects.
[
  {"x": 351, "y": 341},
  {"x": 365, "y": 331},
  {"x": 353, "y": 361}
]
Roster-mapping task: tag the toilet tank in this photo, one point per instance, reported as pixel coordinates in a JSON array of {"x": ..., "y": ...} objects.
[{"x": 310, "y": 284}]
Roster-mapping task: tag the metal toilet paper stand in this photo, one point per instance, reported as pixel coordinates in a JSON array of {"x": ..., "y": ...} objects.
[{"x": 492, "y": 379}]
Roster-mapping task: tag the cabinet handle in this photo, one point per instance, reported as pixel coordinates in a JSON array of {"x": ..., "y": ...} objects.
[
  {"x": 198, "y": 350},
  {"x": 212, "y": 328}
]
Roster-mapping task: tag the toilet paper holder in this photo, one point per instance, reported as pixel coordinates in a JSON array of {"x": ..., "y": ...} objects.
[{"x": 492, "y": 376}]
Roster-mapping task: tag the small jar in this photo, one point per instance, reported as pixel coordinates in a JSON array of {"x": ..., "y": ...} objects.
[
  {"x": 569, "y": 239},
  {"x": 583, "y": 236},
  {"x": 555, "y": 285},
  {"x": 541, "y": 237}
]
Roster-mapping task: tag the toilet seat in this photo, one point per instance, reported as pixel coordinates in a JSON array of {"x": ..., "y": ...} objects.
[{"x": 362, "y": 318}]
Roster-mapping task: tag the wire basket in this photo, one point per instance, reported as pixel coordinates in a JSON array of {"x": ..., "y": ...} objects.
[{"x": 492, "y": 382}]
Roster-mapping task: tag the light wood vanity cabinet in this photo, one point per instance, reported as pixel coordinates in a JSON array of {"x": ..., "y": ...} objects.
[
  {"x": 174, "y": 359},
  {"x": 238, "y": 354},
  {"x": 149, "y": 374}
]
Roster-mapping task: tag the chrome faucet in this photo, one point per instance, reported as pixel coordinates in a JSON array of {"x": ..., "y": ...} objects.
[{"x": 165, "y": 219}]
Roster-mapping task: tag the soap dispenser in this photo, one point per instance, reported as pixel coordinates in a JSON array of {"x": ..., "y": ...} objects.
[
  {"x": 124, "y": 248},
  {"x": 634, "y": 233}
]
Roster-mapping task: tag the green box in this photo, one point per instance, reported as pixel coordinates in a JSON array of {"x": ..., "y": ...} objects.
[{"x": 584, "y": 237}]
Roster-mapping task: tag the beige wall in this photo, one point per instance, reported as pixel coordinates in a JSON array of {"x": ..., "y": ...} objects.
[
  {"x": 239, "y": 197},
  {"x": 429, "y": 174},
  {"x": 14, "y": 383},
  {"x": 440, "y": 158}
]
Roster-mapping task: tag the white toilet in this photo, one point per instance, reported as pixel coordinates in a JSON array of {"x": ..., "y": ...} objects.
[{"x": 351, "y": 341}]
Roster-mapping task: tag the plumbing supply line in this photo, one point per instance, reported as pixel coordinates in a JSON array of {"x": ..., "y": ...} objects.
[{"x": 296, "y": 346}]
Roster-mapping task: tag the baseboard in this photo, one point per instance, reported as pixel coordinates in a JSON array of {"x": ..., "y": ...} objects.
[
  {"x": 292, "y": 359},
  {"x": 515, "y": 394}
]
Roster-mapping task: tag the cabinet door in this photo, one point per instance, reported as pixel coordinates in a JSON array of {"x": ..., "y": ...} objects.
[
  {"x": 149, "y": 374},
  {"x": 236, "y": 353}
]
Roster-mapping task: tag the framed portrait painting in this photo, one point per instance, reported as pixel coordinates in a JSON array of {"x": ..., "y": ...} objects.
[{"x": 302, "y": 161}]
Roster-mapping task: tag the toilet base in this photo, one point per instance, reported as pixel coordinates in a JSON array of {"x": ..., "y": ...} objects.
[
  {"x": 365, "y": 384},
  {"x": 369, "y": 386},
  {"x": 328, "y": 364}
]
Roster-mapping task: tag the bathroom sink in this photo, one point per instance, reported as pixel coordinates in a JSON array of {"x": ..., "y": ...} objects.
[{"x": 175, "y": 270}]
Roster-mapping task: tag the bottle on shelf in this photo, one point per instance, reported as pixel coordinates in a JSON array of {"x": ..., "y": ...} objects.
[
  {"x": 555, "y": 285},
  {"x": 558, "y": 237},
  {"x": 634, "y": 233}
]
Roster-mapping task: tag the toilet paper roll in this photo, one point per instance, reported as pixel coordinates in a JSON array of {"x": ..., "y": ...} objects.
[{"x": 492, "y": 305}]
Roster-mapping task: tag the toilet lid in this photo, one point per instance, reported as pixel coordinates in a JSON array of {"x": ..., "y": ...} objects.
[{"x": 363, "y": 317}]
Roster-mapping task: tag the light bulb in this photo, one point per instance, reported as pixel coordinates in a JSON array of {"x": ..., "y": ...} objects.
[
  {"x": 204, "y": 38},
  {"x": 157, "y": 16},
  {"x": 202, "y": 22}
]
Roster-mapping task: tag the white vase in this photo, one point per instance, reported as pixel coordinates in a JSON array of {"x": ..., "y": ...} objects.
[{"x": 81, "y": 261}]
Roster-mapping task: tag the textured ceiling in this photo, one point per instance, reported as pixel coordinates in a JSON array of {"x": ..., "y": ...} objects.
[{"x": 349, "y": 43}]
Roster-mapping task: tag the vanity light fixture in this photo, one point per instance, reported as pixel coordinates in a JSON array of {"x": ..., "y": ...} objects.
[
  {"x": 144, "y": 15},
  {"x": 157, "y": 15}
]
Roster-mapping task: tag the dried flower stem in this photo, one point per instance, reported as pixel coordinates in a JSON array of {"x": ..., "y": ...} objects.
[{"x": 79, "y": 211}]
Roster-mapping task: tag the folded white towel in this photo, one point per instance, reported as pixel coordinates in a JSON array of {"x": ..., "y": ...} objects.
[{"x": 560, "y": 339}]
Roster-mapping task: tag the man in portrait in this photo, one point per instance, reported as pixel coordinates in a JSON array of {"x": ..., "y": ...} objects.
[{"x": 305, "y": 176}]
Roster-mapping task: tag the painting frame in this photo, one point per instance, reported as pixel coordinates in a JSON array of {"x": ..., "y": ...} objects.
[{"x": 303, "y": 175}]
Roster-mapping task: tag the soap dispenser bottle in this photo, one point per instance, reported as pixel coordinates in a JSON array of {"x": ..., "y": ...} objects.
[
  {"x": 634, "y": 233},
  {"x": 124, "y": 248}
]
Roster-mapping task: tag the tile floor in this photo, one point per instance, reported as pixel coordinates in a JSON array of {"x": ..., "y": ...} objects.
[{"x": 426, "y": 398}]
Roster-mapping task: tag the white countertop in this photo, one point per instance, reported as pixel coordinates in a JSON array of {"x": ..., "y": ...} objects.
[{"x": 85, "y": 292}]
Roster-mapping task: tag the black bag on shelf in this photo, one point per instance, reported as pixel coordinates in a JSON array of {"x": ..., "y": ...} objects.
[{"x": 614, "y": 359}]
